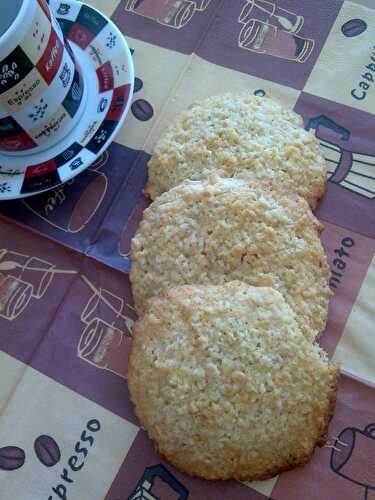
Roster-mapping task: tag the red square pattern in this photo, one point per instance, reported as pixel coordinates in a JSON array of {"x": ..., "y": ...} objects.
[
  {"x": 40, "y": 169},
  {"x": 50, "y": 61},
  {"x": 105, "y": 76},
  {"x": 19, "y": 142},
  {"x": 119, "y": 100},
  {"x": 79, "y": 35}
]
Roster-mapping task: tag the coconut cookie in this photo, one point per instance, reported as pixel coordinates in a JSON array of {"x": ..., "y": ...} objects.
[
  {"x": 225, "y": 383},
  {"x": 239, "y": 135},
  {"x": 226, "y": 229}
]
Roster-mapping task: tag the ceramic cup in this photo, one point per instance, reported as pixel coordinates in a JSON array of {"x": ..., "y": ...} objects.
[{"x": 41, "y": 85}]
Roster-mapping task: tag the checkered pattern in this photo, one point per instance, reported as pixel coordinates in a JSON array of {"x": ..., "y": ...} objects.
[
  {"x": 57, "y": 170},
  {"x": 34, "y": 75},
  {"x": 180, "y": 59},
  {"x": 90, "y": 31}
]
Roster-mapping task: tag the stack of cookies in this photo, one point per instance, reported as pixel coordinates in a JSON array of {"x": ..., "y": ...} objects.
[{"x": 230, "y": 281}]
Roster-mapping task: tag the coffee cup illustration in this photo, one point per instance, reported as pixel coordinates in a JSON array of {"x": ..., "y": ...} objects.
[
  {"x": 173, "y": 13},
  {"x": 106, "y": 338},
  {"x": 143, "y": 490},
  {"x": 105, "y": 347},
  {"x": 36, "y": 272},
  {"x": 353, "y": 456},
  {"x": 22, "y": 278},
  {"x": 201, "y": 4},
  {"x": 15, "y": 295},
  {"x": 262, "y": 38},
  {"x": 71, "y": 206},
  {"x": 110, "y": 308},
  {"x": 272, "y": 13}
]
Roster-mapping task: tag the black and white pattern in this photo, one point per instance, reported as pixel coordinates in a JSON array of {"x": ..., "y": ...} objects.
[
  {"x": 63, "y": 9},
  {"x": 39, "y": 110},
  {"x": 111, "y": 40},
  {"x": 65, "y": 75},
  {"x": 14, "y": 68},
  {"x": 105, "y": 44},
  {"x": 5, "y": 187}
]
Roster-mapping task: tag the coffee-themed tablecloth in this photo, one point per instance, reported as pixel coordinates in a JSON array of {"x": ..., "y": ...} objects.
[{"x": 67, "y": 428}]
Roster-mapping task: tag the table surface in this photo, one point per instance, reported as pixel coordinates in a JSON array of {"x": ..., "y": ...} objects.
[{"x": 65, "y": 330}]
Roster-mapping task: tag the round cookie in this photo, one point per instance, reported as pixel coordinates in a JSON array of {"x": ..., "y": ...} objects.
[
  {"x": 222, "y": 230},
  {"x": 238, "y": 135},
  {"x": 225, "y": 383}
]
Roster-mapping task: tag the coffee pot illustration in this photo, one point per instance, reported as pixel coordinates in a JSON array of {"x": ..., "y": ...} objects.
[
  {"x": 353, "y": 457},
  {"x": 143, "y": 490},
  {"x": 352, "y": 170}
]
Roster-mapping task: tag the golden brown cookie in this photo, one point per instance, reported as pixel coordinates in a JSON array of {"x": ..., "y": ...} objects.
[
  {"x": 239, "y": 135},
  {"x": 225, "y": 383},
  {"x": 225, "y": 229}
]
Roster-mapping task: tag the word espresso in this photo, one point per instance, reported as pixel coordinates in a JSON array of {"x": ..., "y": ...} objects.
[
  {"x": 76, "y": 461},
  {"x": 339, "y": 263}
]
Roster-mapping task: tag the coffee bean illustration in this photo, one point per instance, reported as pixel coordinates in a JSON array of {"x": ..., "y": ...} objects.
[
  {"x": 138, "y": 84},
  {"x": 47, "y": 450},
  {"x": 354, "y": 27},
  {"x": 260, "y": 93},
  {"x": 142, "y": 110},
  {"x": 11, "y": 458}
]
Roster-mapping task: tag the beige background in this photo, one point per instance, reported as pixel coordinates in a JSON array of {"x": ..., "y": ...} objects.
[
  {"x": 332, "y": 77},
  {"x": 61, "y": 413},
  {"x": 367, "y": 3},
  {"x": 150, "y": 64},
  {"x": 356, "y": 350}
]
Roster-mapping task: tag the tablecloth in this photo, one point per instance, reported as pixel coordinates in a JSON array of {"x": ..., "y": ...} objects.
[{"x": 67, "y": 427}]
